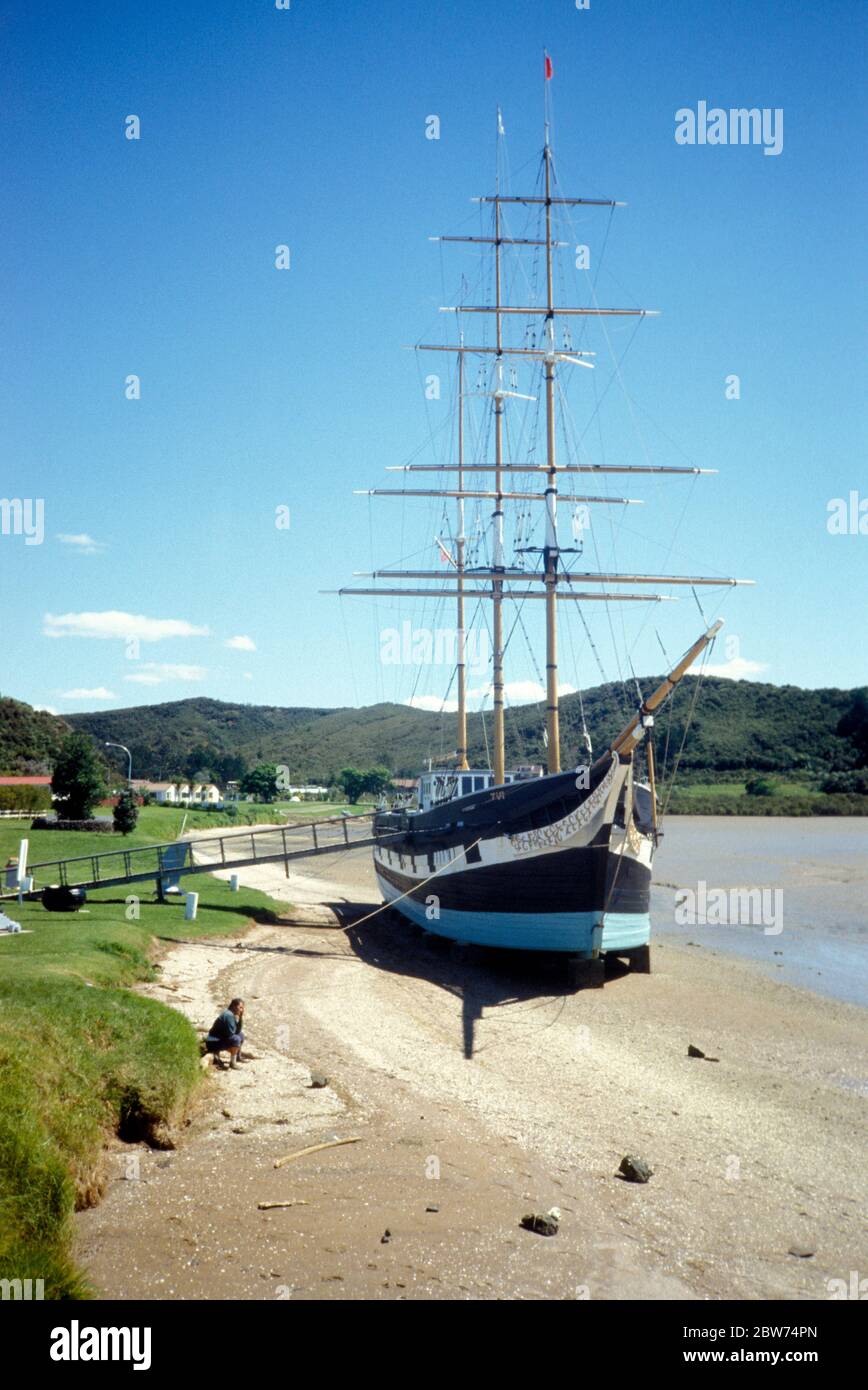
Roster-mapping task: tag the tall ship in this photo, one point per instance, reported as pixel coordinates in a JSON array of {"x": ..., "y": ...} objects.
[{"x": 553, "y": 859}]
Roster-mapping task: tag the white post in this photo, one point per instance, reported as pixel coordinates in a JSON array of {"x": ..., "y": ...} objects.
[
  {"x": 22, "y": 861},
  {"x": 191, "y": 907},
  {"x": 233, "y": 884}
]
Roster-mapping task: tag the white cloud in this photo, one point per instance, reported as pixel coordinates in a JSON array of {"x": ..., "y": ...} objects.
[
  {"x": 738, "y": 668},
  {"x": 83, "y": 543},
  {"x": 433, "y": 703},
  {"x": 241, "y": 644},
  {"x": 515, "y": 692},
  {"x": 519, "y": 692},
  {"x": 99, "y": 692},
  {"x": 161, "y": 672},
  {"x": 119, "y": 625},
  {"x": 45, "y": 709},
  {"x": 248, "y": 675}
]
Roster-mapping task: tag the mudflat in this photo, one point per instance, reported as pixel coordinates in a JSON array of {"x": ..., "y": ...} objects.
[{"x": 482, "y": 1087}]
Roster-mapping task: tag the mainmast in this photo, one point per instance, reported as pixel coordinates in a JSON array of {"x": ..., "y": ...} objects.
[
  {"x": 459, "y": 546},
  {"x": 550, "y": 551}
]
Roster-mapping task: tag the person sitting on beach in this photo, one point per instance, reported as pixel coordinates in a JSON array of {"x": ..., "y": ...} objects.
[{"x": 226, "y": 1034}]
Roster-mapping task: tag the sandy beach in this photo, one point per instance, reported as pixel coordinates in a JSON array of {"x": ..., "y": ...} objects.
[{"x": 481, "y": 1088}]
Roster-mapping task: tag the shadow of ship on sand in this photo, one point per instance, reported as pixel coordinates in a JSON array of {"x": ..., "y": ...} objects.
[{"x": 482, "y": 977}]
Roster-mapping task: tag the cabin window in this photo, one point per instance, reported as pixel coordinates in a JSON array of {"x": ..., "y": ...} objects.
[
  {"x": 472, "y": 855},
  {"x": 466, "y": 786},
  {"x": 478, "y": 784}
]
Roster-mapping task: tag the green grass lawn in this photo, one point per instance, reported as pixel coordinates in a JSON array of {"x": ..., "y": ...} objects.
[
  {"x": 164, "y": 822},
  {"x": 790, "y": 798},
  {"x": 82, "y": 1055},
  {"x": 730, "y": 789}
]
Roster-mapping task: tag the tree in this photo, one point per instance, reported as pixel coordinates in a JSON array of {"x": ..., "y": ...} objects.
[
  {"x": 79, "y": 780},
  {"x": 353, "y": 783},
  {"x": 126, "y": 813},
  {"x": 854, "y": 726},
  {"x": 377, "y": 780},
  {"x": 198, "y": 763},
  {"x": 25, "y": 799},
  {"x": 760, "y": 786},
  {"x": 229, "y": 767},
  {"x": 260, "y": 782}
]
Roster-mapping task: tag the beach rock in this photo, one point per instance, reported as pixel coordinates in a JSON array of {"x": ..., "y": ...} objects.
[
  {"x": 694, "y": 1051},
  {"x": 546, "y": 1224},
  {"x": 432, "y": 1208},
  {"x": 386, "y": 1237},
  {"x": 318, "y": 1080},
  {"x": 801, "y": 1252},
  {"x": 633, "y": 1169}
]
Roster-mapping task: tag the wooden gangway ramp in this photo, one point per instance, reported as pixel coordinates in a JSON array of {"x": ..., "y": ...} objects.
[{"x": 165, "y": 863}]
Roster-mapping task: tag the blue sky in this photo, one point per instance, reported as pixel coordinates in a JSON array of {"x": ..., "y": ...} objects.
[{"x": 262, "y": 388}]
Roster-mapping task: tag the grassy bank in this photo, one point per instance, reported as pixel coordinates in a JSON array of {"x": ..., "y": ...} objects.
[
  {"x": 164, "y": 822},
  {"x": 81, "y": 1055},
  {"x": 788, "y": 798}
]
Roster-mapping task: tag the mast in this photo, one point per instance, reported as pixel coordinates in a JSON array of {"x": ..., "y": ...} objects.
[
  {"x": 462, "y": 683},
  {"x": 550, "y": 551},
  {"x": 499, "y": 760}
]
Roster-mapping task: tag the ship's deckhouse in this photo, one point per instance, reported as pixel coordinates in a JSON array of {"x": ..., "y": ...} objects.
[{"x": 435, "y": 787}]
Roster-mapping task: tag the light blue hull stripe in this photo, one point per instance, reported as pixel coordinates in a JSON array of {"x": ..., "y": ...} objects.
[
  {"x": 523, "y": 931},
  {"x": 624, "y": 931}
]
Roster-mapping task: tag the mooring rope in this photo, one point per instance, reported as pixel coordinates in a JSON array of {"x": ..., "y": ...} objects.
[{"x": 357, "y": 922}]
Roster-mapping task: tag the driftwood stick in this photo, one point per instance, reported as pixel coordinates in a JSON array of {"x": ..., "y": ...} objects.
[
  {"x": 267, "y": 1206},
  {"x": 315, "y": 1148}
]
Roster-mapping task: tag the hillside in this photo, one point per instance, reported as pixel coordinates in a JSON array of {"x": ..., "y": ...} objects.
[
  {"x": 737, "y": 726},
  {"x": 29, "y": 739}
]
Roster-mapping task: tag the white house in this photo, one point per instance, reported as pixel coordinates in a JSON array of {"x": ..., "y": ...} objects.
[
  {"x": 206, "y": 794},
  {"x": 181, "y": 793},
  {"x": 163, "y": 792}
]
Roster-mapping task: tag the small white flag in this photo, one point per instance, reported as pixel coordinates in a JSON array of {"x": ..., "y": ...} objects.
[{"x": 445, "y": 557}]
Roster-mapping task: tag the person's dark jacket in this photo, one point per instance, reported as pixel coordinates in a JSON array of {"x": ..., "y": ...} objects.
[{"x": 224, "y": 1028}]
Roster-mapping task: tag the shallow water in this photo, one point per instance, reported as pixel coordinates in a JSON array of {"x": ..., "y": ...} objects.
[{"x": 814, "y": 930}]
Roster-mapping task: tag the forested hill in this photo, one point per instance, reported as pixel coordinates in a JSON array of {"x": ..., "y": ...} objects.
[
  {"x": 29, "y": 739},
  {"x": 736, "y": 725}
]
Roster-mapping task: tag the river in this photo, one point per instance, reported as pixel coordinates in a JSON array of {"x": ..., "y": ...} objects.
[{"x": 811, "y": 927}]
